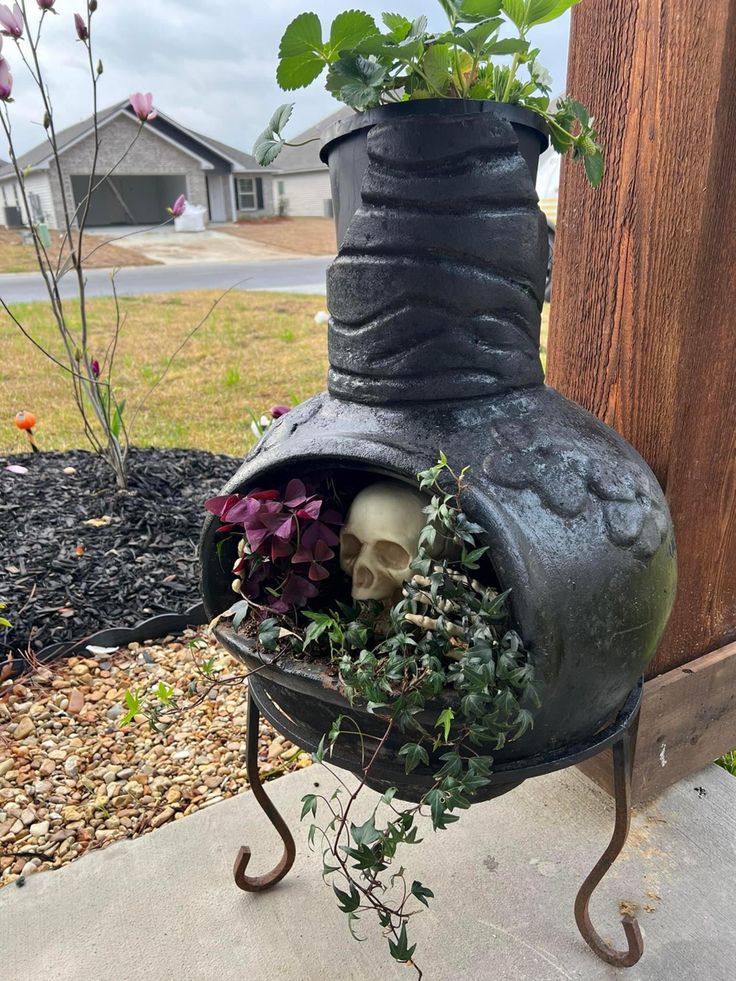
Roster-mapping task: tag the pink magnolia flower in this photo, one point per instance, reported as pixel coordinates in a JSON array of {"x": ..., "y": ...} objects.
[
  {"x": 142, "y": 104},
  {"x": 81, "y": 26},
  {"x": 45, "y": 4},
  {"x": 11, "y": 20},
  {"x": 6, "y": 81},
  {"x": 177, "y": 209}
]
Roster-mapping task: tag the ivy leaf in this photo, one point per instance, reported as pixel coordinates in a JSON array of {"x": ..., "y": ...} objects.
[
  {"x": 444, "y": 722},
  {"x": 309, "y": 806},
  {"x": 365, "y": 834},
  {"x": 268, "y": 633},
  {"x": 400, "y": 951},
  {"x": 348, "y": 902},
  {"x": 349, "y": 29},
  {"x": 414, "y": 755},
  {"x": 542, "y": 11},
  {"x": 421, "y": 892}
]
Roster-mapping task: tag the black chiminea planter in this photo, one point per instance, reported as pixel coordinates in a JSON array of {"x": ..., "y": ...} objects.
[{"x": 435, "y": 300}]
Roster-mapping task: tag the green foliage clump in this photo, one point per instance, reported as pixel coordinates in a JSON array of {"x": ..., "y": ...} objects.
[
  {"x": 447, "y": 670},
  {"x": 367, "y": 66}
]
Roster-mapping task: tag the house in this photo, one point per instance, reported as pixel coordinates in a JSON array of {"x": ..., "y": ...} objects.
[
  {"x": 301, "y": 180},
  {"x": 165, "y": 160}
]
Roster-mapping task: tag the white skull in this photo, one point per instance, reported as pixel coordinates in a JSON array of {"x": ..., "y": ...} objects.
[{"x": 379, "y": 540}]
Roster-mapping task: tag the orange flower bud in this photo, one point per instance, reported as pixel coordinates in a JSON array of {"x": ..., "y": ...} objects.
[{"x": 25, "y": 420}]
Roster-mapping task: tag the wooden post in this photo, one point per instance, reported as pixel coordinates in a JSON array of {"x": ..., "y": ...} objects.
[{"x": 643, "y": 317}]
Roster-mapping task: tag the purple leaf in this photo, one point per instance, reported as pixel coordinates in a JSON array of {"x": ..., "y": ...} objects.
[
  {"x": 310, "y": 510},
  {"x": 317, "y": 572},
  {"x": 295, "y": 493},
  {"x": 220, "y": 505}
]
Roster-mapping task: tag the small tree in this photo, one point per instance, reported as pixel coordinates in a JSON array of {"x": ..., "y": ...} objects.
[{"x": 91, "y": 378}]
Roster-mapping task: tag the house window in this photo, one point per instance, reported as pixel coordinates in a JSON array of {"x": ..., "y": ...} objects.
[
  {"x": 281, "y": 187},
  {"x": 247, "y": 194}
]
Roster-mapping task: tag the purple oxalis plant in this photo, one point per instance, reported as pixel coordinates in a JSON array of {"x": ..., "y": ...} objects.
[{"x": 288, "y": 537}]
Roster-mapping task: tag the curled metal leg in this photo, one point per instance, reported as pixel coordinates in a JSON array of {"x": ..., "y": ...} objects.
[
  {"x": 257, "y": 883},
  {"x": 623, "y": 761}
]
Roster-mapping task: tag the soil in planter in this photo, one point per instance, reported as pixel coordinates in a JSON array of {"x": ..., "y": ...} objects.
[{"x": 77, "y": 556}]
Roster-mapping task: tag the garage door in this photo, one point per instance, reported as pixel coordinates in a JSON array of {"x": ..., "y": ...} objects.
[{"x": 129, "y": 200}]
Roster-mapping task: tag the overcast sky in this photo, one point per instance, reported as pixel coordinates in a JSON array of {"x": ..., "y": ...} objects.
[{"x": 210, "y": 63}]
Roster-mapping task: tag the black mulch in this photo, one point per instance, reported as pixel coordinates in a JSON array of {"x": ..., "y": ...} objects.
[{"x": 62, "y": 579}]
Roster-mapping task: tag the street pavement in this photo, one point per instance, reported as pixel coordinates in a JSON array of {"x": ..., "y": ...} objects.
[{"x": 291, "y": 275}]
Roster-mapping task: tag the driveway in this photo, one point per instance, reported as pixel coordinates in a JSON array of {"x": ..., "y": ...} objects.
[
  {"x": 170, "y": 247},
  {"x": 290, "y": 275}
]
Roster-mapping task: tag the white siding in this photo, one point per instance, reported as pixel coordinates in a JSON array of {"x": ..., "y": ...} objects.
[
  {"x": 35, "y": 184},
  {"x": 306, "y": 194},
  {"x": 39, "y": 184}
]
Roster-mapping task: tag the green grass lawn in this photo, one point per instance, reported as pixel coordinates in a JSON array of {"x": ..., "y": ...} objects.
[
  {"x": 728, "y": 762},
  {"x": 256, "y": 350}
]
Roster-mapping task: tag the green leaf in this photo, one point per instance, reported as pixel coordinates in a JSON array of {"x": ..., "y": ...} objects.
[
  {"x": 356, "y": 81},
  {"x": 348, "y": 902},
  {"x": 348, "y": 29},
  {"x": 281, "y": 117},
  {"x": 542, "y": 11},
  {"x": 506, "y": 46},
  {"x": 437, "y": 64},
  {"x": 400, "y": 951},
  {"x": 421, "y": 892},
  {"x": 516, "y": 11},
  {"x": 164, "y": 693},
  {"x": 299, "y": 72},
  {"x": 594, "y": 168},
  {"x": 414, "y": 755},
  {"x": 268, "y": 633},
  {"x": 309, "y": 806},
  {"x": 398, "y": 25},
  {"x": 474, "y": 40},
  {"x": 365, "y": 834},
  {"x": 472, "y": 11},
  {"x": 444, "y": 722},
  {"x": 302, "y": 36},
  {"x": 116, "y": 420}
]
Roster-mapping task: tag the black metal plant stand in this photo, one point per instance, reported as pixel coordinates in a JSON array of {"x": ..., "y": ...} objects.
[{"x": 620, "y": 736}]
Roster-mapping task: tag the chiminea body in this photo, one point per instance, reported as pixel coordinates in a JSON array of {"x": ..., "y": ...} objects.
[{"x": 435, "y": 300}]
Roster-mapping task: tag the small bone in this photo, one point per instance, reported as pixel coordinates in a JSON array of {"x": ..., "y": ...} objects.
[{"x": 430, "y": 624}]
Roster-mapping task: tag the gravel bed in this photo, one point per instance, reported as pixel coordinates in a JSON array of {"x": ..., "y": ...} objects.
[{"x": 71, "y": 780}]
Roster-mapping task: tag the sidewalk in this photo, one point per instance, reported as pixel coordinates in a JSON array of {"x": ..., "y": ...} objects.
[{"x": 165, "y": 907}]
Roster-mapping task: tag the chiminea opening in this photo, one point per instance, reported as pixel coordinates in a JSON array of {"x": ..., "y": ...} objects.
[{"x": 435, "y": 300}]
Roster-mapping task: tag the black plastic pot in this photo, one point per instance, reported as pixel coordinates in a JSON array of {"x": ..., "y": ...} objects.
[{"x": 345, "y": 145}]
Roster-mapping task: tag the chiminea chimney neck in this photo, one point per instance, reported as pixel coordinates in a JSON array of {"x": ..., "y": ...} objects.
[{"x": 437, "y": 290}]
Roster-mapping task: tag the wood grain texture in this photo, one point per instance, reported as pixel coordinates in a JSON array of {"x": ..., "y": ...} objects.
[
  {"x": 688, "y": 719},
  {"x": 643, "y": 319}
]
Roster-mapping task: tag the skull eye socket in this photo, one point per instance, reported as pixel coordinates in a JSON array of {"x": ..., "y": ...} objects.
[
  {"x": 392, "y": 555},
  {"x": 349, "y": 548}
]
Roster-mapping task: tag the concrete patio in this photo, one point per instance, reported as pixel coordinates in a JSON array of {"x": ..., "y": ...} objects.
[{"x": 164, "y": 906}]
